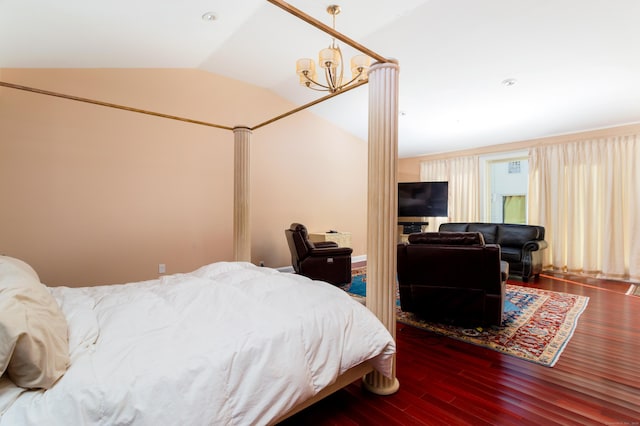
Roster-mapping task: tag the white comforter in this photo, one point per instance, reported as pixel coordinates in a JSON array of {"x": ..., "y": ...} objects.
[{"x": 229, "y": 343}]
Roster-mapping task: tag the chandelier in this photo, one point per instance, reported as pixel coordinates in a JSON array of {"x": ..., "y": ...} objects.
[{"x": 331, "y": 60}]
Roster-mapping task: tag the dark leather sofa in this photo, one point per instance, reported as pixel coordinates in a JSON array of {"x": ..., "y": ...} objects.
[
  {"x": 452, "y": 277},
  {"x": 323, "y": 261},
  {"x": 521, "y": 245}
]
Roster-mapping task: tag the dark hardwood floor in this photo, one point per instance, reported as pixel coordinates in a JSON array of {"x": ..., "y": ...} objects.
[{"x": 446, "y": 382}]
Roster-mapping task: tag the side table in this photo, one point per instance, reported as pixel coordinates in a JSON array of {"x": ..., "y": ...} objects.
[{"x": 343, "y": 239}]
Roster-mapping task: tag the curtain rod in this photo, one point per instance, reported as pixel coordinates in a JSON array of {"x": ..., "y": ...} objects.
[
  {"x": 111, "y": 105},
  {"x": 310, "y": 104},
  {"x": 173, "y": 117}
]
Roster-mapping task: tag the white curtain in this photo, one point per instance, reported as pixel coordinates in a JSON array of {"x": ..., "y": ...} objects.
[
  {"x": 463, "y": 175},
  {"x": 587, "y": 196}
]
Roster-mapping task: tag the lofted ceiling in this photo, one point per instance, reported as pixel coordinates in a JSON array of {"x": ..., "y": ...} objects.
[{"x": 575, "y": 63}]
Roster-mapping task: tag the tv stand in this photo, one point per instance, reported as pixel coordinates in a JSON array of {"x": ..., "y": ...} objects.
[{"x": 412, "y": 227}]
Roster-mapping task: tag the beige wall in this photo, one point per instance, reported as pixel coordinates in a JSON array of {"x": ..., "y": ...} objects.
[
  {"x": 409, "y": 169},
  {"x": 94, "y": 195},
  {"x": 308, "y": 172}
]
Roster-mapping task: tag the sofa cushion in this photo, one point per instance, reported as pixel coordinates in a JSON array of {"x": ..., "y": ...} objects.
[
  {"x": 489, "y": 231},
  {"x": 516, "y": 235},
  {"x": 454, "y": 227},
  {"x": 447, "y": 238},
  {"x": 511, "y": 254}
]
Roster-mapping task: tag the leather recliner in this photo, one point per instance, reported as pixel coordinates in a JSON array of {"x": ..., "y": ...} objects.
[
  {"x": 323, "y": 261},
  {"x": 452, "y": 277}
]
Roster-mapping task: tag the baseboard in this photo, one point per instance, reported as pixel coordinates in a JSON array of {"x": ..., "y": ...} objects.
[
  {"x": 354, "y": 259},
  {"x": 361, "y": 258}
]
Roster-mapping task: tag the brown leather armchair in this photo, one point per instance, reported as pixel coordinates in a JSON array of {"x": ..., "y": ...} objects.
[
  {"x": 452, "y": 277},
  {"x": 323, "y": 261}
]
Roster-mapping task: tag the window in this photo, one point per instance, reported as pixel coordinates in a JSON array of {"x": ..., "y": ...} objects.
[{"x": 505, "y": 187}]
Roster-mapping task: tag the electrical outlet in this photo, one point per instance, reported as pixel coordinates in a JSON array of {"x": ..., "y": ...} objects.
[{"x": 162, "y": 268}]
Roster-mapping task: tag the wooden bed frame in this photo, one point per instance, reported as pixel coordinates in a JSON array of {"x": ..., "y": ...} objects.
[{"x": 343, "y": 380}]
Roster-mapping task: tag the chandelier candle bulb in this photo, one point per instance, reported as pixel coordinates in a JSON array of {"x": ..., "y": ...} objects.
[
  {"x": 360, "y": 67},
  {"x": 305, "y": 64},
  {"x": 306, "y": 70},
  {"x": 329, "y": 57}
]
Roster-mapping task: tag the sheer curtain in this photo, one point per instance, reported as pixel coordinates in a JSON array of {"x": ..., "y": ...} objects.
[
  {"x": 587, "y": 196},
  {"x": 463, "y": 175}
]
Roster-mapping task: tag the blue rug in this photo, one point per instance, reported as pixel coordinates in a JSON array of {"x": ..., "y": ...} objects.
[
  {"x": 359, "y": 288},
  {"x": 358, "y": 285}
]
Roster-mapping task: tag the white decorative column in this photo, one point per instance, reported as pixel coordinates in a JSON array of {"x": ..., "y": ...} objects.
[
  {"x": 382, "y": 220},
  {"x": 241, "y": 195}
]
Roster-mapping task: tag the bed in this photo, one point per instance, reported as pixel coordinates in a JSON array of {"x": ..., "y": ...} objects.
[{"x": 229, "y": 343}]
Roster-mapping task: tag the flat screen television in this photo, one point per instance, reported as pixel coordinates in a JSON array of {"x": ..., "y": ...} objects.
[{"x": 422, "y": 199}]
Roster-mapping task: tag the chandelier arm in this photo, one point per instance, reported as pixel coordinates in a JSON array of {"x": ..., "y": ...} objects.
[
  {"x": 332, "y": 74},
  {"x": 331, "y": 81},
  {"x": 338, "y": 82},
  {"x": 325, "y": 89},
  {"x": 355, "y": 78},
  {"x": 312, "y": 81}
]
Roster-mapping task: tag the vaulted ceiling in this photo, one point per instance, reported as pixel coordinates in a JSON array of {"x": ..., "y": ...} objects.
[{"x": 574, "y": 64}]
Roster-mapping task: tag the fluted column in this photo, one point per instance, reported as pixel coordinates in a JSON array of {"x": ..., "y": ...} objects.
[
  {"x": 241, "y": 195},
  {"x": 382, "y": 220}
]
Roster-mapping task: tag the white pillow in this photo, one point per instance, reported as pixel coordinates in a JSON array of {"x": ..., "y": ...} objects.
[
  {"x": 34, "y": 347},
  {"x": 20, "y": 264}
]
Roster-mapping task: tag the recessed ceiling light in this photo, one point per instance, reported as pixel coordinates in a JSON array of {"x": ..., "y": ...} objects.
[
  {"x": 209, "y": 16},
  {"x": 509, "y": 82}
]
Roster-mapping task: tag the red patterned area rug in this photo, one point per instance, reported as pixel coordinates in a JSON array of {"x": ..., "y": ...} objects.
[{"x": 538, "y": 323}]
